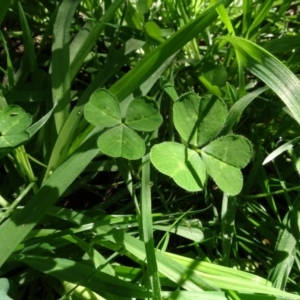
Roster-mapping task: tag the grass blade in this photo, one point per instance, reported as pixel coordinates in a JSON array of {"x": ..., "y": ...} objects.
[
  {"x": 4, "y": 4},
  {"x": 285, "y": 252},
  {"x": 15, "y": 229},
  {"x": 61, "y": 62},
  {"x": 146, "y": 214},
  {"x": 68, "y": 270},
  {"x": 86, "y": 38},
  {"x": 27, "y": 39},
  {"x": 271, "y": 71}
]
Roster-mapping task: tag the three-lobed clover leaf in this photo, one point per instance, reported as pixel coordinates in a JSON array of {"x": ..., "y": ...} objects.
[
  {"x": 198, "y": 121},
  {"x": 121, "y": 140}
]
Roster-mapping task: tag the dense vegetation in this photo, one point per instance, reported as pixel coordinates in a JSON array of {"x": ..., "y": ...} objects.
[{"x": 149, "y": 149}]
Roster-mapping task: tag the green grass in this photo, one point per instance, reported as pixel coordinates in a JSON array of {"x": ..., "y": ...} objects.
[{"x": 78, "y": 224}]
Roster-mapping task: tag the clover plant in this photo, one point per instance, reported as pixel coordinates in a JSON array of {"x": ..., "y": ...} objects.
[
  {"x": 120, "y": 138},
  {"x": 198, "y": 121}
]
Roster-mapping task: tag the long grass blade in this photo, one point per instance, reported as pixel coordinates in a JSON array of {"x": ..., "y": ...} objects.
[
  {"x": 15, "y": 229},
  {"x": 146, "y": 214},
  {"x": 271, "y": 71},
  {"x": 61, "y": 61},
  {"x": 27, "y": 39}
]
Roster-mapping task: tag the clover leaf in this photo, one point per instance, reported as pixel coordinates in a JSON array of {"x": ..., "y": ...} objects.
[
  {"x": 13, "y": 124},
  {"x": 181, "y": 163},
  {"x": 121, "y": 140},
  {"x": 223, "y": 159},
  {"x": 198, "y": 121}
]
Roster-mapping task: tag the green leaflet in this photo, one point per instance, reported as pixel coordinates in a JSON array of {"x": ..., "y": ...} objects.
[
  {"x": 182, "y": 164},
  {"x": 103, "y": 109},
  {"x": 198, "y": 120},
  {"x": 232, "y": 149},
  {"x": 121, "y": 141},
  {"x": 13, "y": 123}
]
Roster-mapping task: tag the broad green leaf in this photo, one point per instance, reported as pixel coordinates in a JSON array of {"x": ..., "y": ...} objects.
[
  {"x": 13, "y": 119},
  {"x": 228, "y": 178},
  {"x": 13, "y": 140},
  {"x": 103, "y": 109},
  {"x": 122, "y": 141},
  {"x": 142, "y": 114},
  {"x": 182, "y": 164},
  {"x": 198, "y": 120},
  {"x": 234, "y": 150}
]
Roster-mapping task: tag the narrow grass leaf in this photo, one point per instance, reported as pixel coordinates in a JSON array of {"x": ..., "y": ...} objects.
[
  {"x": 262, "y": 11},
  {"x": 286, "y": 146},
  {"x": 237, "y": 109},
  {"x": 147, "y": 227},
  {"x": 224, "y": 17},
  {"x": 271, "y": 71},
  {"x": 78, "y": 273},
  {"x": 34, "y": 128},
  {"x": 233, "y": 281},
  {"x": 9, "y": 72},
  {"x": 228, "y": 226},
  {"x": 4, "y": 4},
  {"x": 61, "y": 62},
  {"x": 170, "y": 268},
  {"x": 86, "y": 38},
  {"x": 191, "y": 233},
  {"x": 15, "y": 229},
  {"x": 286, "y": 247},
  {"x": 28, "y": 40},
  {"x": 143, "y": 70}
]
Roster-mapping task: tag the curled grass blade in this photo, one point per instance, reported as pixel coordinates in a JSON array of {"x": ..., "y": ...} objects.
[{"x": 270, "y": 70}]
